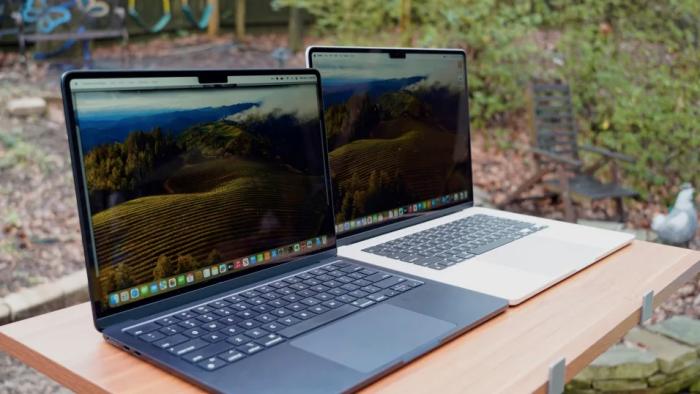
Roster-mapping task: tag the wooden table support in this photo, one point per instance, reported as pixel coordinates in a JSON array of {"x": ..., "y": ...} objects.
[{"x": 576, "y": 320}]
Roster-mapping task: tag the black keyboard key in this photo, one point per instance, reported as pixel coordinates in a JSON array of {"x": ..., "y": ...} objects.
[
  {"x": 262, "y": 308},
  {"x": 223, "y": 312},
  {"x": 303, "y": 315},
  {"x": 202, "y": 354},
  {"x": 271, "y": 296},
  {"x": 212, "y": 364},
  {"x": 231, "y": 355},
  {"x": 248, "y": 324},
  {"x": 331, "y": 304},
  {"x": 171, "y": 330},
  {"x": 188, "y": 346},
  {"x": 278, "y": 285},
  {"x": 250, "y": 294},
  {"x": 143, "y": 328},
  {"x": 167, "y": 321},
  {"x": 272, "y": 327},
  {"x": 229, "y": 320},
  {"x": 306, "y": 293},
  {"x": 379, "y": 276},
  {"x": 264, "y": 289},
  {"x": 152, "y": 336},
  {"x": 212, "y": 326},
  {"x": 310, "y": 301},
  {"x": 213, "y": 337},
  {"x": 207, "y": 317},
  {"x": 185, "y": 315},
  {"x": 291, "y": 298},
  {"x": 201, "y": 309},
  {"x": 218, "y": 304},
  {"x": 345, "y": 299},
  {"x": 256, "y": 333},
  {"x": 171, "y": 341},
  {"x": 362, "y": 303},
  {"x": 349, "y": 287},
  {"x": 265, "y": 318},
  {"x": 377, "y": 297},
  {"x": 270, "y": 340},
  {"x": 289, "y": 320},
  {"x": 281, "y": 312},
  {"x": 388, "y": 282},
  {"x": 337, "y": 291},
  {"x": 296, "y": 307},
  {"x": 248, "y": 314},
  {"x": 278, "y": 303},
  {"x": 250, "y": 348},
  {"x": 324, "y": 296},
  {"x": 240, "y": 306},
  {"x": 318, "y": 309},
  {"x": 194, "y": 332},
  {"x": 238, "y": 340},
  {"x": 358, "y": 293},
  {"x": 317, "y": 321},
  {"x": 257, "y": 301},
  {"x": 231, "y": 331}
]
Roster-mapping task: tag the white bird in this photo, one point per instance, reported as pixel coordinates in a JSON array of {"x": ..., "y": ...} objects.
[{"x": 680, "y": 225}]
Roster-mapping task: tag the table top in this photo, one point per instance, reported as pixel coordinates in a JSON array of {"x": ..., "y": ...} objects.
[{"x": 577, "y": 319}]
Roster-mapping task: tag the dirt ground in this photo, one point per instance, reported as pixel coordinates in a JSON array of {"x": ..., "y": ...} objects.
[{"x": 39, "y": 230}]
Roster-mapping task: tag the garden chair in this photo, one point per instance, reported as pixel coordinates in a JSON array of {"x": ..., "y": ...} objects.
[{"x": 556, "y": 150}]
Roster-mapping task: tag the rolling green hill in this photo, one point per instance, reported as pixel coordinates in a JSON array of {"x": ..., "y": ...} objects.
[{"x": 245, "y": 202}]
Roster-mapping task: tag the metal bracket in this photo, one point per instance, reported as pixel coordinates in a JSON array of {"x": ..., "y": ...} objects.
[
  {"x": 647, "y": 307},
  {"x": 557, "y": 373}
]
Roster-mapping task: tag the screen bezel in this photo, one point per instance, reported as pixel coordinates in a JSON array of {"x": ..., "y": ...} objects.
[
  {"x": 103, "y": 316},
  {"x": 352, "y": 236}
]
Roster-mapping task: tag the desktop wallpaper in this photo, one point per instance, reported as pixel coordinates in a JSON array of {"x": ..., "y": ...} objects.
[
  {"x": 182, "y": 179},
  {"x": 397, "y": 130}
]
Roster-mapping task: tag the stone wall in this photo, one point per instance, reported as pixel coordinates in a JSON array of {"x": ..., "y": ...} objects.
[{"x": 659, "y": 358}]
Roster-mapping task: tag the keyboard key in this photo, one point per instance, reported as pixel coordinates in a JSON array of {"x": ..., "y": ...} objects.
[
  {"x": 167, "y": 321},
  {"x": 250, "y": 294},
  {"x": 310, "y": 301},
  {"x": 213, "y": 326},
  {"x": 265, "y": 318},
  {"x": 256, "y": 333},
  {"x": 246, "y": 314},
  {"x": 345, "y": 299},
  {"x": 152, "y": 336},
  {"x": 296, "y": 307},
  {"x": 201, "y": 309},
  {"x": 212, "y": 363},
  {"x": 143, "y": 328},
  {"x": 278, "y": 303},
  {"x": 388, "y": 282},
  {"x": 248, "y": 324},
  {"x": 270, "y": 340},
  {"x": 289, "y": 320},
  {"x": 316, "y": 321},
  {"x": 188, "y": 346},
  {"x": 213, "y": 337},
  {"x": 233, "y": 330},
  {"x": 171, "y": 330},
  {"x": 379, "y": 276},
  {"x": 272, "y": 327},
  {"x": 223, "y": 312},
  {"x": 257, "y": 301},
  {"x": 202, "y": 354},
  {"x": 207, "y": 317},
  {"x": 170, "y": 341},
  {"x": 281, "y": 312},
  {"x": 185, "y": 315},
  {"x": 250, "y": 348},
  {"x": 303, "y": 315},
  {"x": 262, "y": 308},
  {"x": 227, "y": 321},
  {"x": 218, "y": 304},
  {"x": 363, "y": 302},
  {"x": 231, "y": 355},
  {"x": 318, "y": 309},
  {"x": 331, "y": 304},
  {"x": 238, "y": 340},
  {"x": 194, "y": 332},
  {"x": 377, "y": 297},
  {"x": 358, "y": 293}
]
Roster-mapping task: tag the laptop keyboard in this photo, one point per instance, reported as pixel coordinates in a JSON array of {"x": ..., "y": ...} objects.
[
  {"x": 454, "y": 242},
  {"x": 226, "y": 330}
]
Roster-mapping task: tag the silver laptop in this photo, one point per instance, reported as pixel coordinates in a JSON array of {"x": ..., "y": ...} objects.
[{"x": 397, "y": 126}]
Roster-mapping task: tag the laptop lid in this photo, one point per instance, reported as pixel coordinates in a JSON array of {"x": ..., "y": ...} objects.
[
  {"x": 397, "y": 129},
  {"x": 186, "y": 179}
]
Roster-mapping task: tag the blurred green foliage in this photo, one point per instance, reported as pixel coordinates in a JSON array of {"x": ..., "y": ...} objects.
[{"x": 634, "y": 66}]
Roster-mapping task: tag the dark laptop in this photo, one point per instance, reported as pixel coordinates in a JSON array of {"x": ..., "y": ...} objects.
[{"x": 209, "y": 238}]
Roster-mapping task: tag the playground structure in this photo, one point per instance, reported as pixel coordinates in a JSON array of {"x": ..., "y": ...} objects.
[{"x": 78, "y": 22}]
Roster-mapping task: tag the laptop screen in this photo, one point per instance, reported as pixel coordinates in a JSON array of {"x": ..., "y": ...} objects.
[
  {"x": 187, "y": 182},
  {"x": 397, "y": 128}
]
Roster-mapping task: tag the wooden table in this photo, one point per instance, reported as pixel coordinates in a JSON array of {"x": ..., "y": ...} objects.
[{"x": 577, "y": 319}]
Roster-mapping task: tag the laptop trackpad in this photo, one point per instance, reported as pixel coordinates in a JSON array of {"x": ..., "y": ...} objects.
[{"x": 367, "y": 340}]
